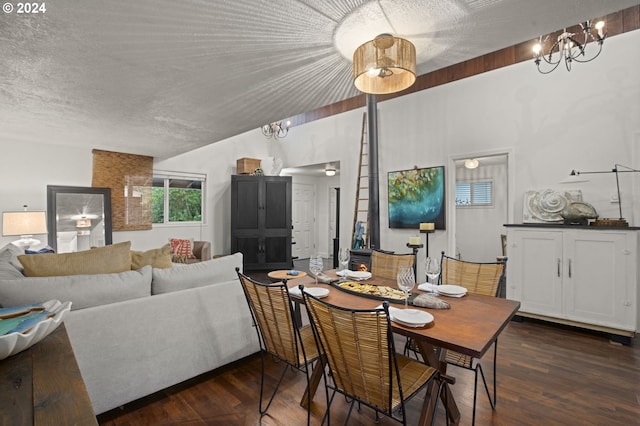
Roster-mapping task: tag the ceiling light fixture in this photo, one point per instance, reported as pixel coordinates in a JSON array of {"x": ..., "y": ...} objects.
[
  {"x": 330, "y": 170},
  {"x": 471, "y": 163},
  {"x": 568, "y": 48},
  {"x": 276, "y": 129},
  {"x": 386, "y": 64}
]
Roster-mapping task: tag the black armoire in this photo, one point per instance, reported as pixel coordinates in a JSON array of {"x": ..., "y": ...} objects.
[{"x": 261, "y": 221}]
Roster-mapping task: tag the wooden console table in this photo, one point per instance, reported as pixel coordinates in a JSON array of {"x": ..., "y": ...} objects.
[{"x": 43, "y": 386}]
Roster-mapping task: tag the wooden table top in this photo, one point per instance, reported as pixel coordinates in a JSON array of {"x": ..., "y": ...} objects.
[
  {"x": 470, "y": 326},
  {"x": 42, "y": 385}
]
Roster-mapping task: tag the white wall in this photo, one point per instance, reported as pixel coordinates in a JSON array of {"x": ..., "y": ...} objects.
[{"x": 586, "y": 120}]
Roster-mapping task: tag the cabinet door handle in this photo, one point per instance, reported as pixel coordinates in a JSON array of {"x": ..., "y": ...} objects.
[
  {"x": 569, "y": 268},
  {"x": 558, "y": 263}
]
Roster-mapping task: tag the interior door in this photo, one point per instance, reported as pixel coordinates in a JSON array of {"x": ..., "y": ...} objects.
[{"x": 303, "y": 220}]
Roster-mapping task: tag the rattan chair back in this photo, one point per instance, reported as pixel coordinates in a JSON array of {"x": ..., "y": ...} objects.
[
  {"x": 362, "y": 359},
  {"x": 272, "y": 312},
  {"x": 479, "y": 278},
  {"x": 386, "y": 265}
]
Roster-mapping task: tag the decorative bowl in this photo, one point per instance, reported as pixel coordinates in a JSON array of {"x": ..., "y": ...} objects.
[{"x": 13, "y": 343}]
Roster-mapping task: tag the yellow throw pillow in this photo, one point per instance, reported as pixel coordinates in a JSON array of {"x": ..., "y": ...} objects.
[
  {"x": 157, "y": 258},
  {"x": 100, "y": 260}
]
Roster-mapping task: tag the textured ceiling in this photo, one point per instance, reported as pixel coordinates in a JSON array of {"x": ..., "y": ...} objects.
[{"x": 159, "y": 78}]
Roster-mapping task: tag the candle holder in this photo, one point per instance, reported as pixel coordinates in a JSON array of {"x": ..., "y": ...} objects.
[{"x": 415, "y": 248}]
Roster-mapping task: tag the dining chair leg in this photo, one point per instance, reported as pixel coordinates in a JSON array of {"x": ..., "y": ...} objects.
[{"x": 284, "y": 370}]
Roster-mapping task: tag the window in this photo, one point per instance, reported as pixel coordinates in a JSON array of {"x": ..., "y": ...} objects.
[
  {"x": 177, "y": 197},
  {"x": 474, "y": 194}
]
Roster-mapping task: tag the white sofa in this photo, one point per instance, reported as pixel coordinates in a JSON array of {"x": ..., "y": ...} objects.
[{"x": 189, "y": 320}]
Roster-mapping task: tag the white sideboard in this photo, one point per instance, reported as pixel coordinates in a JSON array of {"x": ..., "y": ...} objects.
[{"x": 582, "y": 276}]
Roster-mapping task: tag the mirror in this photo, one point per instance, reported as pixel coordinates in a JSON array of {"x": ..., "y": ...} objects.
[{"x": 78, "y": 218}]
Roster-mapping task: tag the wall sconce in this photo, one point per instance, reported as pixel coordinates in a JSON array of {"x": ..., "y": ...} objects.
[
  {"x": 276, "y": 129},
  {"x": 26, "y": 224},
  {"x": 574, "y": 177}
]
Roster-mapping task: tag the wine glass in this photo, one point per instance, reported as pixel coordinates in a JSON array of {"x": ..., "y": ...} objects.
[
  {"x": 343, "y": 257},
  {"x": 432, "y": 269},
  {"x": 406, "y": 281},
  {"x": 315, "y": 266}
]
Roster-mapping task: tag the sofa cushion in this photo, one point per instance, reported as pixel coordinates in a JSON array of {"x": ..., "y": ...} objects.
[
  {"x": 157, "y": 258},
  {"x": 180, "y": 277},
  {"x": 83, "y": 291},
  {"x": 181, "y": 250},
  {"x": 100, "y": 260}
]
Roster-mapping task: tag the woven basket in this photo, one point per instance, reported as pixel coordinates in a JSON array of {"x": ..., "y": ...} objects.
[{"x": 616, "y": 223}]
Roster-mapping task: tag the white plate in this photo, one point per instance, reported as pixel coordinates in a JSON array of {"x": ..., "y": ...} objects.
[
  {"x": 11, "y": 344},
  {"x": 359, "y": 275},
  {"x": 410, "y": 317},
  {"x": 451, "y": 290},
  {"x": 318, "y": 292}
]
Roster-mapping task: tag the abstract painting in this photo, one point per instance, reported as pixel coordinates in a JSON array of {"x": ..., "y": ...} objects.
[{"x": 416, "y": 196}]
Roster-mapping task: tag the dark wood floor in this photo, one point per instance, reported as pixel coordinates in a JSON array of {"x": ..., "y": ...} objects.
[{"x": 547, "y": 375}]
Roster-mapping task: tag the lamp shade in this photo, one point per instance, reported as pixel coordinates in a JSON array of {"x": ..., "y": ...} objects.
[
  {"x": 386, "y": 64},
  {"x": 24, "y": 223}
]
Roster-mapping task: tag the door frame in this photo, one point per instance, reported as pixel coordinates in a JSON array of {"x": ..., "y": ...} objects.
[{"x": 451, "y": 188}]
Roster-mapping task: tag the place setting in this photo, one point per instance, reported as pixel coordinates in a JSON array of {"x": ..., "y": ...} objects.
[
  {"x": 408, "y": 317},
  {"x": 432, "y": 270}
]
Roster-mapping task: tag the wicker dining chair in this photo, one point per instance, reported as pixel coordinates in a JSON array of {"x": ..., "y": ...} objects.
[
  {"x": 479, "y": 278},
  {"x": 272, "y": 312},
  {"x": 362, "y": 360},
  {"x": 386, "y": 265}
]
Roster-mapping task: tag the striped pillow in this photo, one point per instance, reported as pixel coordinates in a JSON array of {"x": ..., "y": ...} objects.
[{"x": 181, "y": 250}]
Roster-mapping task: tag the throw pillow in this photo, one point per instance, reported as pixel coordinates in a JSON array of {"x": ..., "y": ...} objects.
[
  {"x": 181, "y": 277},
  {"x": 157, "y": 258},
  {"x": 181, "y": 250},
  {"x": 100, "y": 260},
  {"x": 84, "y": 291},
  {"x": 7, "y": 269},
  {"x": 15, "y": 252}
]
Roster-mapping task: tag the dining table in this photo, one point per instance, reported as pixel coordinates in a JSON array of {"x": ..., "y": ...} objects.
[{"x": 470, "y": 326}]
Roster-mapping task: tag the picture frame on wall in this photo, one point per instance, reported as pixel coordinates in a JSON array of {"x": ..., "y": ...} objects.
[{"x": 417, "y": 196}]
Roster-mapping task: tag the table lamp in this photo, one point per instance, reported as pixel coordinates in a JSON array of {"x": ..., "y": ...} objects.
[{"x": 26, "y": 224}]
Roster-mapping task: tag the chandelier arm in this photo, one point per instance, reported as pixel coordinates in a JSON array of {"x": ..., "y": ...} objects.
[
  {"x": 554, "y": 66},
  {"x": 591, "y": 59},
  {"x": 578, "y": 46}
]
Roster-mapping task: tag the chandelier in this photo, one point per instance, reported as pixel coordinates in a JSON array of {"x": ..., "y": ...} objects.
[
  {"x": 386, "y": 64},
  {"x": 276, "y": 129},
  {"x": 568, "y": 48}
]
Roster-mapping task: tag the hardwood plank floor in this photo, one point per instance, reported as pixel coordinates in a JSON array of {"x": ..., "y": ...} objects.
[{"x": 547, "y": 375}]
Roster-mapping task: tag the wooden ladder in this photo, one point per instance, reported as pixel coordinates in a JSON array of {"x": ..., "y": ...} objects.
[{"x": 361, "y": 214}]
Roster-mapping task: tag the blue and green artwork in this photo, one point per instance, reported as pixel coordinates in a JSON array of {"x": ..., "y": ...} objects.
[{"x": 416, "y": 196}]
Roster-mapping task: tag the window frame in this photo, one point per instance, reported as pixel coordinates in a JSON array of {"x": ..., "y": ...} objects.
[
  {"x": 167, "y": 175},
  {"x": 472, "y": 183}
]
